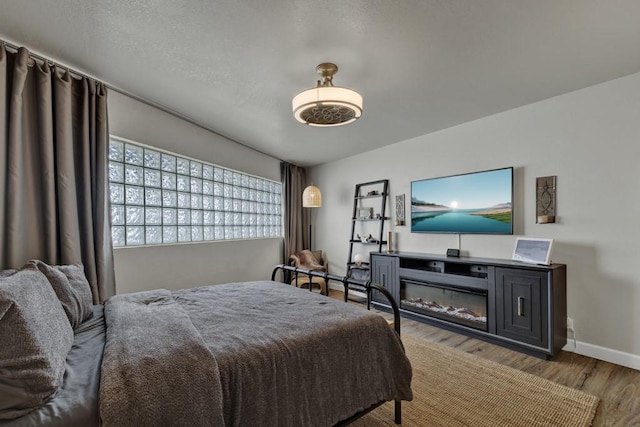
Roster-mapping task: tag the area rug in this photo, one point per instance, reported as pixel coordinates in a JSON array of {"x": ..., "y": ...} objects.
[{"x": 453, "y": 388}]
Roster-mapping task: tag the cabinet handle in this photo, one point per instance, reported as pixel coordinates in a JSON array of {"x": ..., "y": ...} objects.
[
  {"x": 384, "y": 281},
  {"x": 520, "y": 306}
]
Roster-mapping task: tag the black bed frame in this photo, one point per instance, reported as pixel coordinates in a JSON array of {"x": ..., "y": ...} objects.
[{"x": 362, "y": 286}]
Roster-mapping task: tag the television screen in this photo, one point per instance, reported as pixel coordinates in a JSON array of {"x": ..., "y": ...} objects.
[{"x": 479, "y": 202}]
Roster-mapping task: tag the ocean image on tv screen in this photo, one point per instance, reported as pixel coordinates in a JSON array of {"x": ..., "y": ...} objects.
[{"x": 472, "y": 203}]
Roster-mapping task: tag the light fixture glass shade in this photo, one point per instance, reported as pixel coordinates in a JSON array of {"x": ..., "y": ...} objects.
[
  {"x": 327, "y": 106},
  {"x": 311, "y": 197}
]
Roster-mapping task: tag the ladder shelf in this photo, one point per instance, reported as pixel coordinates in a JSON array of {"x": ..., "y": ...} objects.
[{"x": 363, "y": 222}]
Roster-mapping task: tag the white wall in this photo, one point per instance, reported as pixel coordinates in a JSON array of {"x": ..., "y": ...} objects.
[
  {"x": 590, "y": 139},
  {"x": 186, "y": 265}
]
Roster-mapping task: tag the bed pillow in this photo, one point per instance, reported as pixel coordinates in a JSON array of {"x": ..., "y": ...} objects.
[
  {"x": 36, "y": 337},
  {"x": 72, "y": 288}
]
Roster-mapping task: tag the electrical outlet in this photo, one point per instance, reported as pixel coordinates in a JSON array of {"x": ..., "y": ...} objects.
[{"x": 570, "y": 323}]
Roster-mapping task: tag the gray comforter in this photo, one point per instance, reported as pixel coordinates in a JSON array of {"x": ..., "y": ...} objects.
[{"x": 245, "y": 354}]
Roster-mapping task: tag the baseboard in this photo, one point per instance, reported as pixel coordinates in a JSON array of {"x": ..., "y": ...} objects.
[{"x": 603, "y": 353}]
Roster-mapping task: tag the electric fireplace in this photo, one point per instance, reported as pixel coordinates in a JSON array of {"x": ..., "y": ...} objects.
[{"x": 463, "y": 306}]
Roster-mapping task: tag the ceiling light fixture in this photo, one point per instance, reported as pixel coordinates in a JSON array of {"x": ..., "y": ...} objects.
[{"x": 327, "y": 105}]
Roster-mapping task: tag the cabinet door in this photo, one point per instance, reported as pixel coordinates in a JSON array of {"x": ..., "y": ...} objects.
[
  {"x": 384, "y": 271},
  {"x": 522, "y": 307}
]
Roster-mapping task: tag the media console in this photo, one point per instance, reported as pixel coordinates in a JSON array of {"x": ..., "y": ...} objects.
[{"x": 517, "y": 305}]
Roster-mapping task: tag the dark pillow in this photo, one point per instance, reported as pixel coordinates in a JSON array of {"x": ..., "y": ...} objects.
[
  {"x": 36, "y": 337},
  {"x": 71, "y": 287}
]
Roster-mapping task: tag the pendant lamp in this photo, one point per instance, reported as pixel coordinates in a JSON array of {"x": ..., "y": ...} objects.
[{"x": 311, "y": 197}]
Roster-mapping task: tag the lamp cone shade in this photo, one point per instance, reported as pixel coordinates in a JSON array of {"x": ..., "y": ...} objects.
[{"x": 311, "y": 197}]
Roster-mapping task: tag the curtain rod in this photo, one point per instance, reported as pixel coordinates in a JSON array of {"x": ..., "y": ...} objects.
[{"x": 132, "y": 96}]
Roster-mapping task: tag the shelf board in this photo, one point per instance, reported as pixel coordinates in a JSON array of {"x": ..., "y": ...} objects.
[
  {"x": 386, "y": 218},
  {"x": 362, "y": 266},
  {"x": 384, "y": 242},
  {"x": 370, "y": 197}
]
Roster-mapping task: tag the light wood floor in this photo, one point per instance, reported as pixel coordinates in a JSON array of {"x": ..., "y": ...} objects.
[{"x": 617, "y": 387}]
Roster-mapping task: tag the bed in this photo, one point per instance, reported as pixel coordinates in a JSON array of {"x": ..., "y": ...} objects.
[{"x": 252, "y": 353}]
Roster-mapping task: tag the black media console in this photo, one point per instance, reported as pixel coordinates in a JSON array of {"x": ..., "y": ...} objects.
[{"x": 516, "y": 305}]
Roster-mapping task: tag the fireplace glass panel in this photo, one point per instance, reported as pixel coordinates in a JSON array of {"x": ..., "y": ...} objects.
[{"x": 465, "y": 307}]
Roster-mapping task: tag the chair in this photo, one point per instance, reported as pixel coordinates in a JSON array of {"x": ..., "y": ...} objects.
[{"x": 309, "y": 260}]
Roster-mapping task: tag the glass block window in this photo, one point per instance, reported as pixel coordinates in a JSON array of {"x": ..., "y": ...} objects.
[{"x": 158, "y": 197}]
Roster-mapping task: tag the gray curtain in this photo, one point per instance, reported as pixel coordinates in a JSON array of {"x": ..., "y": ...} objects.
[
  {"x": 53, "y": 170},
  {"x": 295, "y": 234}
]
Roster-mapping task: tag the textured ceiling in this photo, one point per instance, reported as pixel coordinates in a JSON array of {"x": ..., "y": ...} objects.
[{"x": 420, "y": 65}]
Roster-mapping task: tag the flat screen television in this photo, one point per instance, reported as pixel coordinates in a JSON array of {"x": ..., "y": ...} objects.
[{"x": 473, "y": 203}]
